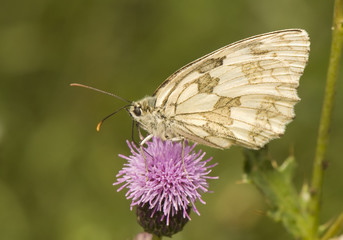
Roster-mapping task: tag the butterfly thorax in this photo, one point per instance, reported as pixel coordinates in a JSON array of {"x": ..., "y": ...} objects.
[{"x": 151, "y": 118}]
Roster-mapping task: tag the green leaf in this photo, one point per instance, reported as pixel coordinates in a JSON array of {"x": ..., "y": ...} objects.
[{"x": 275, "y": 183}]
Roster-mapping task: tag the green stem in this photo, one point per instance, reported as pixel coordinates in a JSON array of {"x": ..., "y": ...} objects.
[
  {"x": 335, "y": 228},
  {"x": 155, "y": 237},
  {"x": 322, "y": 141}
]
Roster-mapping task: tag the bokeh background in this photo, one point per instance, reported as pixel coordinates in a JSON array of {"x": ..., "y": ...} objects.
[{"x": 56, "y": 171}]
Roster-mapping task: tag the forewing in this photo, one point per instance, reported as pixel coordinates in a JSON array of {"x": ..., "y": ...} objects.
[{"x": 243, "y": 93}]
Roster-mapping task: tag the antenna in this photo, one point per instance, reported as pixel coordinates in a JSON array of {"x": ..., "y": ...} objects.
[
  {"x": 98, "y": 90},
  {"x": 100, "y": 123}
]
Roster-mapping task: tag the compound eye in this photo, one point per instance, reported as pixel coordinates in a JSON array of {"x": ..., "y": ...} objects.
[{"x": 137, "y": 111}]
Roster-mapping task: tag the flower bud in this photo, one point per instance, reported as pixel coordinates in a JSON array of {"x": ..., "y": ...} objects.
[{"x": 156, "y": 222}]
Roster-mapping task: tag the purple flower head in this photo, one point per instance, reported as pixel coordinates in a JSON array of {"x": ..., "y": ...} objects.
[{"x": 160, "y": 180}]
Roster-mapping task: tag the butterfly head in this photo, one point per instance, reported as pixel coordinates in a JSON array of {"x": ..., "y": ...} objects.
[{"x": 142, "y": 109}]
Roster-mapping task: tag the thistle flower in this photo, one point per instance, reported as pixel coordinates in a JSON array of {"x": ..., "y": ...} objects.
[{"x": 162, "y": 186}]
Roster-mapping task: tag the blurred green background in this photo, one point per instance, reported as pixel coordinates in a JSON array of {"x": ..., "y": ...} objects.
[{"x": 56, "y": 171}]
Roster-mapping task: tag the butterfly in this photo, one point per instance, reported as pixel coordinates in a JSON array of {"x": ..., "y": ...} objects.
[{"x": 241, "y": 94}]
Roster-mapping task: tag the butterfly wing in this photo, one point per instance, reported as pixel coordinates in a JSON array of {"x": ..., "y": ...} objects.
[{"x": 242, "y": 94}]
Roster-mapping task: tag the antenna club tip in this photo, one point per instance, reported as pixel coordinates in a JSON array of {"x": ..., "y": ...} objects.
[{"x": 98, "y": 126}]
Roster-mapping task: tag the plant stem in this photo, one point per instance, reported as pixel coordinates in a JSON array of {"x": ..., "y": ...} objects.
[
  {"x": 322, "y": 140},
  {"x": 155, "y": 237},
  {"x": 334, "y": 229}
]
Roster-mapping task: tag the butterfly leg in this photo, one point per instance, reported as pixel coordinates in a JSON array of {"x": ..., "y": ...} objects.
[
  {"x": 147, "y": 138},
  {"x": 143, "y": 141},
  {"x": 140, "y": 135},
  {"x": 135, "y": 124},
  {"x": 146, "y": 165},
  {"x": 182, "y": 157},
  {"x": 182, "y": 140}
]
